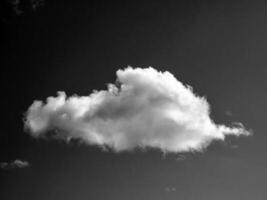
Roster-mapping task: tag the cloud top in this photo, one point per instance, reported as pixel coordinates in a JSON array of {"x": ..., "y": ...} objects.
[
  {"x": 144, "y": 108},
  {"x": 14, "y": 164}
]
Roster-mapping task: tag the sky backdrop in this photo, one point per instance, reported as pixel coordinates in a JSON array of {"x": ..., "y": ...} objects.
[{"x": 217, "y": 47}]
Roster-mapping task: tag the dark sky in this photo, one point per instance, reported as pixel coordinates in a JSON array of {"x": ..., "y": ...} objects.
[{"x": 218, "y": 47}]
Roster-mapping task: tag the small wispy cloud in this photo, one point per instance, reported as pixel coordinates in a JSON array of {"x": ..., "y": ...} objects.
[
  {"x": 145, "y": 108},
  {"x": 170, "y": 189},
  {"x": 234, "y": 146},
  {"x": 180, "y": 158},
  {"x": 19, "y": 7},
  {"x": 14, "y": 164},
  {"x": 229, "y": 113}
]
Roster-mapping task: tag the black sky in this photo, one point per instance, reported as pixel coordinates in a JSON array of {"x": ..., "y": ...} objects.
[{"x": 218, "y": 47}]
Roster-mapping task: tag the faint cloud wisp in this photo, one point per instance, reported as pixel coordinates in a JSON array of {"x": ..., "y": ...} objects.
[
  {"x": 170, "y": 189},
  {"x": 14, "y": 164}
]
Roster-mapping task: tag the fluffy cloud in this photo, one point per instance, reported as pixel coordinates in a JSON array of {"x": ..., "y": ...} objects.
[
  {"x": 14, "y": 164},
  {"x": 144, "y": 108}
]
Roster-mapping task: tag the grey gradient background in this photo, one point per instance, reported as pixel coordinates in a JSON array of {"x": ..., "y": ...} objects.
[{"x": 217, "y": 47}]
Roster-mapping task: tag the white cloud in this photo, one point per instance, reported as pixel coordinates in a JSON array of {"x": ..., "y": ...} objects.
[
  {"x": 14, "y": 164},
  {"x": 145, "y": 108}
]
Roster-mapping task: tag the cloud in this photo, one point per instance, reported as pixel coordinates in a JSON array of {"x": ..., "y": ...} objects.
[
  {"x": 180, "y": 158},
  {"x": 145, "y": 108},
  {"x": 170, "y": 189},
  {"x": 229, "y": 113},
  {"x": 14, "y": 164},
  {"x": 234, "y": 146}
]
